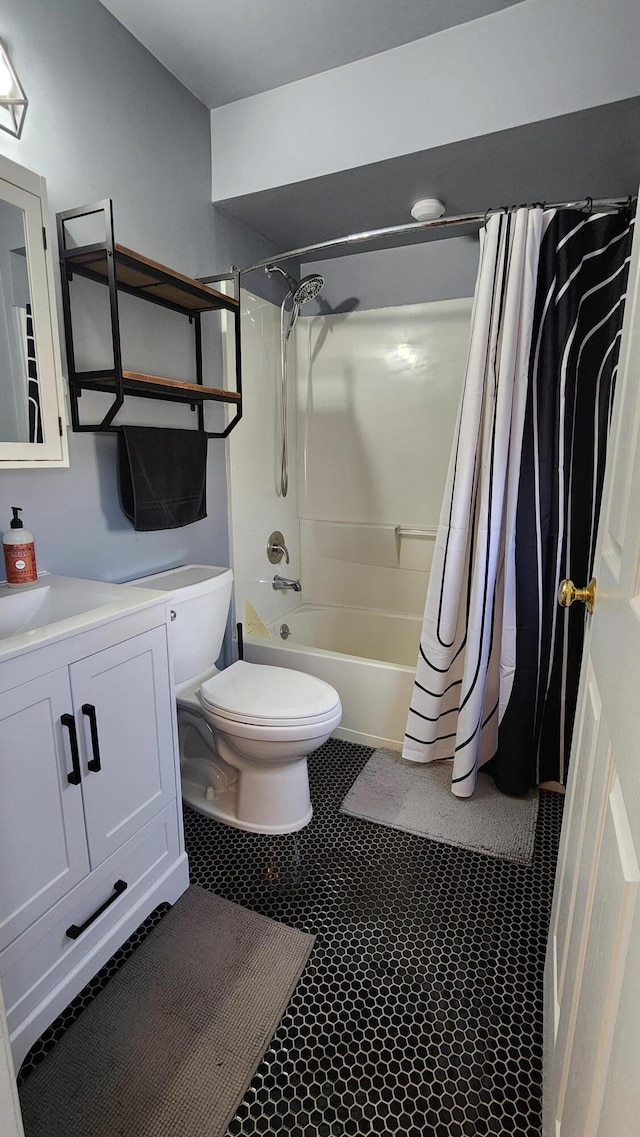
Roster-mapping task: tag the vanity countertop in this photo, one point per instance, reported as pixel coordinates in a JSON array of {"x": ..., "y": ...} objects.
[{"x": 55, "y": 607}]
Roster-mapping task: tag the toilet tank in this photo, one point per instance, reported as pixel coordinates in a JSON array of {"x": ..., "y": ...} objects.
[{"x": 201, "y": 598}]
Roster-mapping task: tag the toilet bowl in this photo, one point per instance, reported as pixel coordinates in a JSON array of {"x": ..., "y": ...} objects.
[{"x": 245, "y": 732}]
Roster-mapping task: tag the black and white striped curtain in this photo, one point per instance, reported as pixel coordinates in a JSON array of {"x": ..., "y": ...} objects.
[
  {"x": 582, "y": 280},
  {"x": 497, "y": 674},
  {"x": 33, "y": 390}
]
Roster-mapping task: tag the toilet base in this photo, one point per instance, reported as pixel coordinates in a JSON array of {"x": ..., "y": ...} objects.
[{"x": 198, "y": 778}]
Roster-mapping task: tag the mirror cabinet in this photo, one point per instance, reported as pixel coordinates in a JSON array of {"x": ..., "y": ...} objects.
[{"x": 32, "y": 407}]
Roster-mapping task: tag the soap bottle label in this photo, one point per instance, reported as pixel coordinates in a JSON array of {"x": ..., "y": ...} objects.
[{"x": 20, "y": 563}]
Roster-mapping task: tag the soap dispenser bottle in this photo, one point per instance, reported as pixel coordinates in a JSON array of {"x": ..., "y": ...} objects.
[{"x": 19, "y": 553}]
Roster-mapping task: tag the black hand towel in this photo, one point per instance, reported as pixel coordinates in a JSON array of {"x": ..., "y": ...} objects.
[{"x": 163, "y": 476}]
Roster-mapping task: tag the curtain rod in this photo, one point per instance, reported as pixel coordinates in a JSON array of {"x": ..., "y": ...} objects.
[{"x": 421, "y": 226}]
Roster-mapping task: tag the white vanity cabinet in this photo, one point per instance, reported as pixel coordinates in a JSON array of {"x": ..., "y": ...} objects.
[
  {"x": 123, "y": 706},
  {"x": 43, "y": 847},
  {"x": 90, "y": 824}
]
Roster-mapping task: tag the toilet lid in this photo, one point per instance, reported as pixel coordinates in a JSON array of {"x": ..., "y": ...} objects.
[{"x": 259, "y": 693}]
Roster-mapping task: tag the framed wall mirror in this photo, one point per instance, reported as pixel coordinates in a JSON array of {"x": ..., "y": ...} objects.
[{"x": 32, "y": 408}]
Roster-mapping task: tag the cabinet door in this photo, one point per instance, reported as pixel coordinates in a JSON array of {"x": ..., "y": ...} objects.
[
  {"x": 124, "y": 708},
  {"x": 43, "y": 849}
]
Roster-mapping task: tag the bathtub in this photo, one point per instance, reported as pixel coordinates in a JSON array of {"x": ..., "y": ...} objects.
[{"x": 369, "y": 657}]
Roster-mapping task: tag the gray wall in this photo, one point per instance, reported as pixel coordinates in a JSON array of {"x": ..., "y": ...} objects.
[
  {"x": 238, "y": 245},
  {"x": 415, "y": 274},
  {"x": 105, "y": 119},
  {"x": 528, "y": 62}
]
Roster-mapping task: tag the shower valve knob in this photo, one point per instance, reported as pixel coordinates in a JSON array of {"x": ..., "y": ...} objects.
[{"x": 276, "y": 548}]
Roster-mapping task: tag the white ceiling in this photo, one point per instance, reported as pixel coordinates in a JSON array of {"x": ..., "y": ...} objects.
[{"x": 223, "y": 50}]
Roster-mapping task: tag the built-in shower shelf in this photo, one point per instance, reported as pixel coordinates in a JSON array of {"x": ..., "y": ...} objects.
[{"x": 122, "y": 270}]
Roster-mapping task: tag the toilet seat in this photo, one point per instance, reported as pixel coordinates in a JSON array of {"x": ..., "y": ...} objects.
[
  {"x": 295, "y": 732},
  {"x": 257, "y": 695}
]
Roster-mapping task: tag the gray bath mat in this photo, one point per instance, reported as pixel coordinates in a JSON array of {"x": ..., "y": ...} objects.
[
  {"x": 417, "y": 797},
  {"x": 172, "y": 1042}
]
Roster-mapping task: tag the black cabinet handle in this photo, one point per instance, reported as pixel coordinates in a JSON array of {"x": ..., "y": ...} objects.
[
  {"x": 90, "y": 711},
  {"x": 77, "y": 929},
  {"x": 70, "y": 723}
]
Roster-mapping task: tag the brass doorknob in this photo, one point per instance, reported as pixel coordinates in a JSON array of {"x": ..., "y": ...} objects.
[{"x": 568, "y": 592}]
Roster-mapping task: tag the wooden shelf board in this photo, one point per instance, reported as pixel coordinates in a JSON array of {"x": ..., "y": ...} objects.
[
  {"x": 150, "y": 279},
  {"x": 178, "y": 384},
  {"x": 136, "y": 382}
]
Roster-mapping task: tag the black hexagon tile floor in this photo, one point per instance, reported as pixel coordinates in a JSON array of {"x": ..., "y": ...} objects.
[{"x": 420, "y": 1010}]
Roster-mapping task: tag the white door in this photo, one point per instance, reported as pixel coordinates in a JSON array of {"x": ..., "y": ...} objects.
[
  {"x": 123, "y": 705},
  {"x": 10, "y": 1117},
  {"x": 592, "y": 982},
  {"x": 43, "y": 850}
]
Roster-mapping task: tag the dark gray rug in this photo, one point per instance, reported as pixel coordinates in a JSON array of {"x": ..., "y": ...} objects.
[
  {"x": 417, "y": 797},
  {"x": 171, "y": 1044}
]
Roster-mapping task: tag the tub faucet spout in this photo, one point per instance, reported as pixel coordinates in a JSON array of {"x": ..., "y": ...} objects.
[{"x": 281, "y": 582}]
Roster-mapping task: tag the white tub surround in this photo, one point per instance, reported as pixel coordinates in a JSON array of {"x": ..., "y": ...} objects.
[
  {"x": 366, "y": 566},
  {"x": 256, "y": 508},
  {"x": 377, "y": 397},
  {"x": 378, "y": 394}
]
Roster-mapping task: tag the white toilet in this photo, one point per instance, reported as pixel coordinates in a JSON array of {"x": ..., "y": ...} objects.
[{"x": 245, "y": 732}]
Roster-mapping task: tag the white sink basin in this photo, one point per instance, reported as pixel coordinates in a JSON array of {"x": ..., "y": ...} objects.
[
  {"x": 56, "y": 606},
  {"x": 21, "y": 611},
  {"x": 34, "y": 606}
]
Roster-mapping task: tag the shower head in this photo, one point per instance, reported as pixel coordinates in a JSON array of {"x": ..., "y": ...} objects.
[
  {"x": 308, "y": 288},
  {"x": 301, "y": 290}
]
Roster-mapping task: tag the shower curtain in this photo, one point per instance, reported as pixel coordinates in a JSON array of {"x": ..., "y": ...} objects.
[
  {"x": 582, "y": 280},
  {"x": 33, "y": 390},
  {"x": 467, "y": 651},
  {"x": 497, "y": 673}
]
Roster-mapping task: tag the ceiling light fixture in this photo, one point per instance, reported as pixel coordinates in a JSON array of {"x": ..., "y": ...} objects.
[
  {"x": 427, "y": 209},
  {"x": 13, "y": 101}
]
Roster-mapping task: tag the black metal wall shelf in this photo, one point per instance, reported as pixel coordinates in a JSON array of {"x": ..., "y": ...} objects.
[{"x": 123, "y": 270}]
